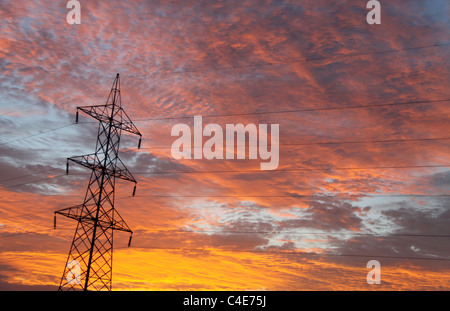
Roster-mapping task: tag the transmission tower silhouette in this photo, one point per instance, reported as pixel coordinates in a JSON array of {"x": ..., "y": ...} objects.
[{"x": 89, "y": 264}]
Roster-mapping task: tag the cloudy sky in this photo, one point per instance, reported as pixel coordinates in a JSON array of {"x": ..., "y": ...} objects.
[{"x": 363, "y": 112}]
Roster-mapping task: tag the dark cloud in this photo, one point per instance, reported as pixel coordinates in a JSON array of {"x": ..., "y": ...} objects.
[
  {"x": 237, "y": 241},
  {"x": 6, "y": 284},
  {"x": 426, "y": 221},
  {"x": 417, "y": 233},
  {"x": 144, "y": 163},
  {"x": 249, "y": 224},
  {"x": 330, "y": 216},
  {"x": 442, "y": 180},
  {"x": 35, "y": 242}
]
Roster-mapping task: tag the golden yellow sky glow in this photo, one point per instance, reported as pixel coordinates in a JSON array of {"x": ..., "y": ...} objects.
[{"x": 174, "y": 270}]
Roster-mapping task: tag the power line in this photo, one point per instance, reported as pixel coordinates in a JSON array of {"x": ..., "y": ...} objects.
[
  {"x": 306, "y": 60},
  {"x": 251, "y": 196},
  {"x": 309, "y": 233},
  {"x": 36, "y": 134},
  {"x": 8, "y": 113},
  {"x": 265, "y": 252},
  {"x": 294, "y": 253},
  {"x": 19, "y": 233},
  {"x": 326, "y": 143},
  {"x": 290, "y": 196},
  {"x": 248, "y": 171},
  {"x": 34, "y": 181},
  {"x": 11, "y": 235},
  {"x": 294, "y": 170},
  {"x": 26, "y": 175},
  {"x": 260, "y": 232},
  {"x": 248, "y": 114},
  {"x": 366, "y": 141},
  {"x": 300, "y": 110},
  {"x": 281, "y": 144},
  {"x": 47, "y": 211},
  {"x": 256, "y": 171}
]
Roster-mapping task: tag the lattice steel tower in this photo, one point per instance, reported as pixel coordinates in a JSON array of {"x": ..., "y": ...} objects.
[{"x": 89, "y": 264}]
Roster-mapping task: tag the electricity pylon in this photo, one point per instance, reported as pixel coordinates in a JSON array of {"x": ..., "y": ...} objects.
[{"x": 89, "y": 264}]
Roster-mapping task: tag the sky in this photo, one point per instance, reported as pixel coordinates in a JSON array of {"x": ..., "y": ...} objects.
[{"x": 363, "y": 112}]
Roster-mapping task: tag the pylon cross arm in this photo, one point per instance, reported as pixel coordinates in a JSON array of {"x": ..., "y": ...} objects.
[
  {"x": 90, "y": 161},
  {"x": 101, "y": 113},
  {"x": 76, "y": 213}
]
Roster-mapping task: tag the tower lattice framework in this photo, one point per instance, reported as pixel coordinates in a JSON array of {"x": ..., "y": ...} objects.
[{"x": 89, "y": 264}]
